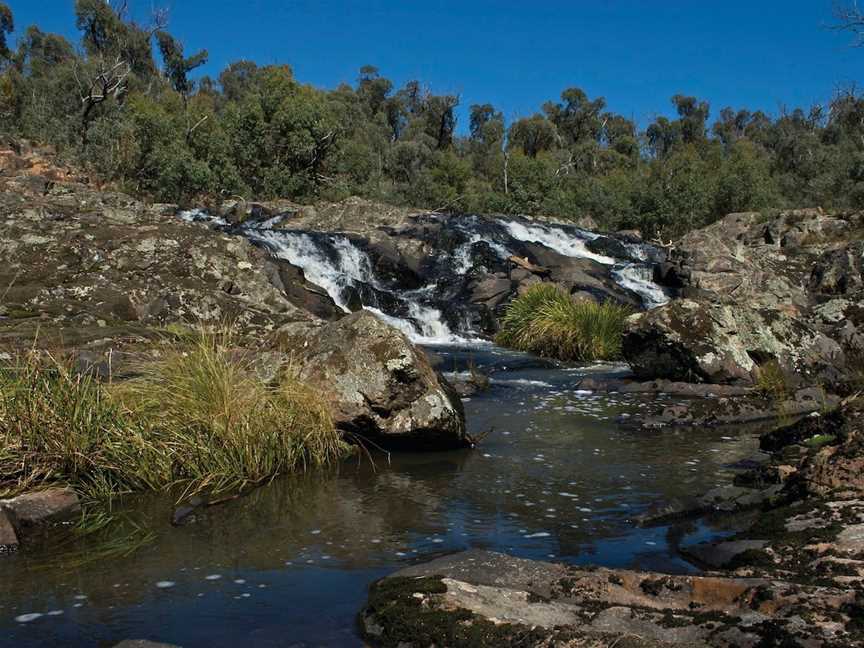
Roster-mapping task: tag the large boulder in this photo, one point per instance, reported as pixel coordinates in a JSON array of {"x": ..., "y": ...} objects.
[
  {"x": 704, "y": 341},
  {"x": 783, "y": 290},
  {"x": 381, "y": 387}
]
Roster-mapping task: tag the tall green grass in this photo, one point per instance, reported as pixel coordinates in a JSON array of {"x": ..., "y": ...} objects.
[
  {"x": 547, "y": 321},
  {"x": 199, "y": 418}
]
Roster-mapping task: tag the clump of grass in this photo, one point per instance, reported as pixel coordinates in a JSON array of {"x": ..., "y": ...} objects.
[
  {"x": 199, "y": 418},
  {"x": 56, "y": 425},
  {"x": 223, "y": 426},
  {"x": 772, "y": 381},
  {"x": 548, "y": 321}
]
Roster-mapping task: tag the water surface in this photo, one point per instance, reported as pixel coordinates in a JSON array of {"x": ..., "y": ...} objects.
[{"x": 557, "y": 477}]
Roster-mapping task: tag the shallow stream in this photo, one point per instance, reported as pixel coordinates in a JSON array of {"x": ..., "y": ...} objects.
[{"x": 560, "y": 476}]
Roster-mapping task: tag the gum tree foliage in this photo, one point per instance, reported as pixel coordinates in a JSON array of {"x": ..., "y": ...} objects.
[
  {"x": 155, "y": 126},
  {"x": 7, "y": 26}
]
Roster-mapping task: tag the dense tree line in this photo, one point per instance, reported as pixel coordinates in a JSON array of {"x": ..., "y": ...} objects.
[{"x": 256, "y": 131}]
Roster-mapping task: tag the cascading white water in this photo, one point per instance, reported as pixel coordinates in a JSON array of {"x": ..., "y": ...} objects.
[
  {"x": 638, "y": 278},
  {"x": 557, "y": 239},
  {"x": 344, "y": 270},
  {"x": 351, "y": 268}
]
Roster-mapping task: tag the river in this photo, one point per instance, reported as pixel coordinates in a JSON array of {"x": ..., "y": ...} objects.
[{"x": 559, "y": 476}]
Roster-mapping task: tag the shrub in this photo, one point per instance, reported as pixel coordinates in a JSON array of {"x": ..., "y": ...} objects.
[{"x": 548, "y": 321}]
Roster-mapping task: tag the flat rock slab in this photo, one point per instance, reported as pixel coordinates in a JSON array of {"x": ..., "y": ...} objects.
[
  {"x": 8, "y": 537},
  {"x": 42, "y": 507},
  {"x": 480, "y": 598}
]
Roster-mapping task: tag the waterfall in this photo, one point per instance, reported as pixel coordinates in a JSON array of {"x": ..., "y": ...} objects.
[
  {"x": 344, "y": 269},
  {"x": 555, "y": 238},
  {"x": 638, "y": 277}
]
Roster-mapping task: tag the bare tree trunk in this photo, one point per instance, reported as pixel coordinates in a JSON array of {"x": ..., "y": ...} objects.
[{"x": 506, "y": 179}]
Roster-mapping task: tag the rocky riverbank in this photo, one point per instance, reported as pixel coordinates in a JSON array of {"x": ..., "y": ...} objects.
[
  {"x": 765, "y": 331},
  {"x": 792, "y": 576},
  {"x": 761, "y": 327}
]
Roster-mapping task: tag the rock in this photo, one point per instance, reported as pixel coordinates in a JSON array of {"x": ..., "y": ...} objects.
[
  {"x": 699, "y": 341},
  {"x": 143, "y": 643},
  {"x": 721, "y": 554},
  {"x": 754, "y": 292},
  {"x": 491, "y": 291},
  {"x": 8, "y": 537},
  {"x": 42, "y": 507},
  {"x": 481, "y": 598},
  {"x": 662, "y": 386},
  {"x": 379, "y": 385}
]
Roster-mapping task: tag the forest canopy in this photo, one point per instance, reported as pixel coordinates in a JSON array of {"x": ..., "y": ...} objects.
[{"x": 125, "y": 106}]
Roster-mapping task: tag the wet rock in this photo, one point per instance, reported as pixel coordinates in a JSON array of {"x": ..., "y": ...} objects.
[
  {"x": 42, "y": 507},
  {"x": 8, "y": 537},
  {"x": 750, "y": 408},
  {"x": 720, "y": 554},
  {"x": 695, "y": 390},
  {"x": 491, "y": 291},
  {"x": 379, "y": 385}
]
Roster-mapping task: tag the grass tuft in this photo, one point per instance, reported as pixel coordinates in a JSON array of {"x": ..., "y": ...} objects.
[
  {"x": 200, "y": 418},
  {"x": 547, "y": 321}
]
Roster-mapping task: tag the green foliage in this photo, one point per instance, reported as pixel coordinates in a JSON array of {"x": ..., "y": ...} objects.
[
  {"x": 7, "y": 26},
  {"x": 547, "y": 321},
  {"x": 771, "y": 380},
  {"x": 177, "y": 67},
  {"x": 260, "y": 133},
  {"x": 199, "y": 417}
]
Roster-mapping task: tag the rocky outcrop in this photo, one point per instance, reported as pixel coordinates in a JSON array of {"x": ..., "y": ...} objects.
[
  {"x": 480, "y": 598},
  {"x": 785, "y": 291},
  {"x": 83, "y": 266},
  {"x": 103, "y": 275},
  {"x": 380, "y": 386}
]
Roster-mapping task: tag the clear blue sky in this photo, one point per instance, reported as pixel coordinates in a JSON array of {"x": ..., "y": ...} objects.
[{"x": 515, "y": 54}]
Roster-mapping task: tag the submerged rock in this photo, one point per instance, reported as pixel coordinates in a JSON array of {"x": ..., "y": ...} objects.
[
  {"x": 380, "y": 386},
  {"x": 8, "y": 536}
]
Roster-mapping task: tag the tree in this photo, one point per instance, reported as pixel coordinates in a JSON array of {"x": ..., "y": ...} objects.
[
  {"x": 692, "y": 115},
  {"x": 532, "y": 135},
  {"x": 373, "y": 89},
  {"x": 177, "y": 68},
  {"x": 7, "y": 26},
  {"x": 850, "y": 18},
  {"x": 238, "y": 79},
  {"x": 108, "y": 35},
  {"x": 576, "y": 118}
]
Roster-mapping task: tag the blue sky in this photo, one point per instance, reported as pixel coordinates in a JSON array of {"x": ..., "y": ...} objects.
[{"x": 761, "y": 54}]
